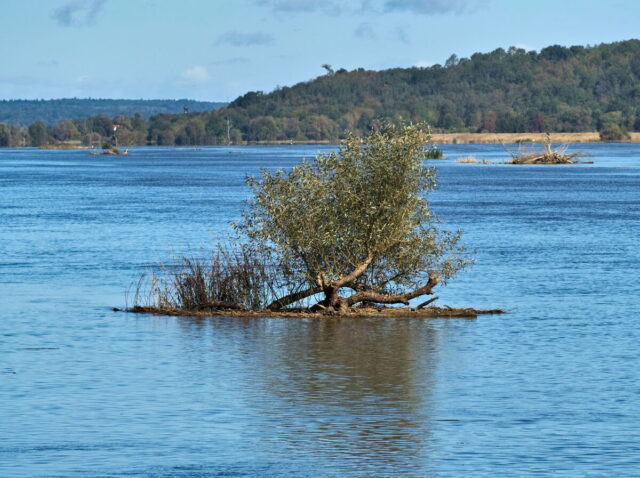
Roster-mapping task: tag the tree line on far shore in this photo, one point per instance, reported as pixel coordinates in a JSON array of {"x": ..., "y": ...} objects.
[
  {"x": 559, "y": 89},
  {"x": 163, "y": 129}
]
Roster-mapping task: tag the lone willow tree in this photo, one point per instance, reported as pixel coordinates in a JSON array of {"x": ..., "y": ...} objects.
[{"x": 354, "y": 227}]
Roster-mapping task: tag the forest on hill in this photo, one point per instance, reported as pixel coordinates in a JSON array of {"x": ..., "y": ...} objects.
[
  {"x": 559, "y": 89},
  {"x": 25, "y": 112}
]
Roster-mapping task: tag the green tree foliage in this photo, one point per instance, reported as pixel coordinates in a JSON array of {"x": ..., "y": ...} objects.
[
  {"x": 65, "y": 130},
  {"x": 12, "y": 135},
  {"x": 613, "y": 133},
  {"x": 5, "y": 136},
  {"x": 25, "y": 112},
  {"x": 38, "y": 134},
  {"x": 355, "y": 225}
]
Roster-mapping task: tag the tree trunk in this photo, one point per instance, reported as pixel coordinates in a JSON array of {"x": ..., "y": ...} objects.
[
  {"x": 331, "y": 289},
  {"x": 331, "y": 297}
]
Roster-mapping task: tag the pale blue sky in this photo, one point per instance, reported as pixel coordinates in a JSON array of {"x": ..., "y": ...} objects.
[{"x": 219, "y": 49}]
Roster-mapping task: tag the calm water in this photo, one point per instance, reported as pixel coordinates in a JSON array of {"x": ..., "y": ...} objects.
[{"x": 550, "y": 389}]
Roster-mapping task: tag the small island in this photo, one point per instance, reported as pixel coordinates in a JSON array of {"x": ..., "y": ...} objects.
[
  {"x": 110, "y": 151},
  {"x": 346, "y": 234},
  {"x": 111, "y": 147},
  {"x": 547, "y": 155}
]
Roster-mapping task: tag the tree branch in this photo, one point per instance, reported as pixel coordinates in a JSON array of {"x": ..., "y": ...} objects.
[
  {"x": 427, "y": 302},
  {"x": 357, "y": 272},
  {"x": 360, "y": 286},
  {"x": 295, "y": 297},
  {"x": 368, "y": 296}
]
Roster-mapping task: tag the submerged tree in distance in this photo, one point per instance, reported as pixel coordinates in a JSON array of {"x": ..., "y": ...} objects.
[{"x": 354, "y": 227}]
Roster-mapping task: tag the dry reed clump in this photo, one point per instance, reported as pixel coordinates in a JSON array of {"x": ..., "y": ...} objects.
[
  {"x": 547, "y": 156},
  {"x": 243, "y": 282},
  {"x": 231, "y": 279}
]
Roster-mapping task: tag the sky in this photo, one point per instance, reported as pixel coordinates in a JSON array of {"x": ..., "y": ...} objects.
[{"x": 217, "y": 50}]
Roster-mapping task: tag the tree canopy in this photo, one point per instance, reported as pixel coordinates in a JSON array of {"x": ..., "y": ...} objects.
[
  {"x": 25, "y": 112},
  {"x": 355, "y": 225}
]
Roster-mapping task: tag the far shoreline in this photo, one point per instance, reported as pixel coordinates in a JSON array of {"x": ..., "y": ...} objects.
[
  {"x": 482, "y": 138},
  {"x": 436, "y": 138}
]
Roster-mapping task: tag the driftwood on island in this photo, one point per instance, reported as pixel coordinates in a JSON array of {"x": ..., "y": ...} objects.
[{"x": 547, "y": 156}]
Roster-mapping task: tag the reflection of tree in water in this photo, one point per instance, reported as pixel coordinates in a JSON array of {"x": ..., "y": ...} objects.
[
  {"x": 357, "y": 387},
  {"x": 329, "y": 392}
]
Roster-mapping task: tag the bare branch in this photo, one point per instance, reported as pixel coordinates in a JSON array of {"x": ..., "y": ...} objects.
[
  {"x": 295, "y": 297},
  {"x": 426, "y": 303},
  {"x": 359, "y": 286},
  {"x": 357, "y": 272},
  {"x": 367, "y": 296}
]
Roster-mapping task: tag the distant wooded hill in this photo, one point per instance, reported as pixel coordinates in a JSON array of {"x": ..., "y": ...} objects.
[
  {"x": 25, "y": 112},
  {"x": 559, "y": 89}
]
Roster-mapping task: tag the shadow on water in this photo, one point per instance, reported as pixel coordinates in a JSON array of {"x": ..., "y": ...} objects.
[{"x": 360, "y": 389}]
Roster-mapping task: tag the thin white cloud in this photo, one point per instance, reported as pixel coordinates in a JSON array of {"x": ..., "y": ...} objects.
[
  {"x": 358, "y": 7},
  {"x": 21, "y": 80},
  {"x": 196, "y": 75},
  {"x": 365, "y": 30},
  {"x": 402, "y": 36},
  {"x": 77, "y": 13},
  {"x": 431, "y": 7},
  {"x": 84, "y": 80},
  {"x": 331, "y": 7},
  {"x": 525, "y": 47},
  {"x": 48, "y": 63},
  {"x": 423, "y": 64},
  {"x": 236, "y": 60},
  {"x": 236, "y": 38}
]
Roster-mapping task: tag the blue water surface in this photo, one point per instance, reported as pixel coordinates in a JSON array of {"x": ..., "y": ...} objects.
[{"x": 550, "y": 389}]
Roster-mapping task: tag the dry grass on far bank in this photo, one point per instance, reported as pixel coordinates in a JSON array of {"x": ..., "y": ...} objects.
[
  {"x": 483, "y": 138},
  {"x": 479, "y": 138}
]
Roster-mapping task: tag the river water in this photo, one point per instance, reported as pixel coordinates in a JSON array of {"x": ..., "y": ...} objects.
[{"x": 550, "y": 389}]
